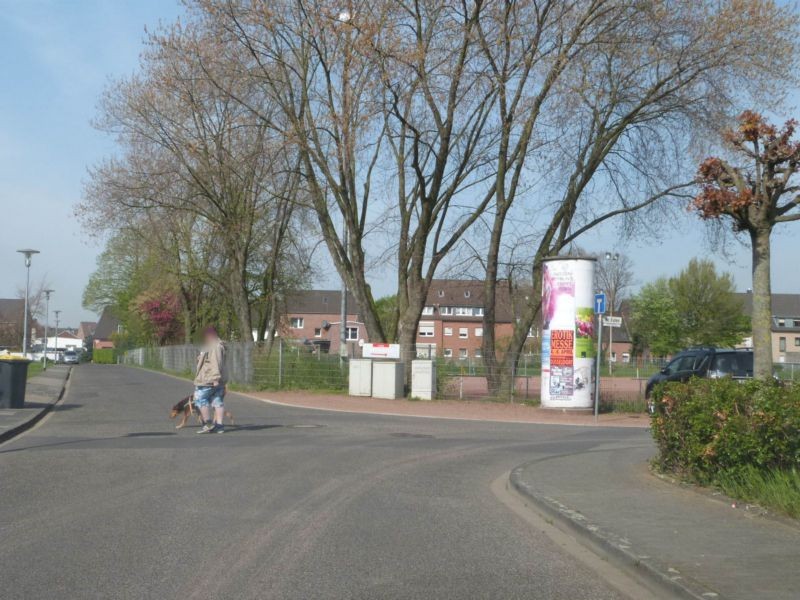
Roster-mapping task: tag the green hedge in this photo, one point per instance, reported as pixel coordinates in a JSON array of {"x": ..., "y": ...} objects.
[
  {"x": 708, "y": 428},
  {"x": 104, "y": 356}
]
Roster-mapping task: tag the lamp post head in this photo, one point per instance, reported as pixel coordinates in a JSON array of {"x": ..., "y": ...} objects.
[
  {"x": 610, "y": 256},
  {"x": 47, "y": 293},
  {"x": 28, "y": 252}
]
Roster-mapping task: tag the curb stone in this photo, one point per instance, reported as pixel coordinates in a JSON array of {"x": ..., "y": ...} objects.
[
  {"x": 608, "y": 545},
  {"x": 23, "y": 427}
]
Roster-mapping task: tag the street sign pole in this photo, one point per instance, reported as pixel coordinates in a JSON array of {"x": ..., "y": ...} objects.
[
  {"x": 599, "y": 309},
  {"x": 597, "y": 375}
]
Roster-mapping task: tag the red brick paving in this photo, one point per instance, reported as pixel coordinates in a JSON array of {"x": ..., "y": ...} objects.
[{"x": 449, "y": 409}]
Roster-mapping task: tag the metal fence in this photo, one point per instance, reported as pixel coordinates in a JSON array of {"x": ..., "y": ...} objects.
[{"x": 292, "y": 366}]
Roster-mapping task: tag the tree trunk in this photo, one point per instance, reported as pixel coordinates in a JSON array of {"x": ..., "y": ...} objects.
[{"x": 762, "y": 303}]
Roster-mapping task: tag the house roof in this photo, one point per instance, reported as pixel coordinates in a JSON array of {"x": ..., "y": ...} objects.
[
  {"x": 470, "y": 293},
  {"x": 320, "y": 302},
  {"x": 87, "y": 328},
  {"x": 11, "y": 309},
  {"x": 784, "y": 306},
  {"x": 107, "y": 325}
]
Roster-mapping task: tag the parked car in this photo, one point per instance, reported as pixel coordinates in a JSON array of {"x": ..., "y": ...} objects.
[
  {"x": 71, "y": 357},
  {"x": 704, "y": 362}
]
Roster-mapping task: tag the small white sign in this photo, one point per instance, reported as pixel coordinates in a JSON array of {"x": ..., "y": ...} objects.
[
  {"x": 381, "y": 351},
  {"x": 612, "y": 321}
]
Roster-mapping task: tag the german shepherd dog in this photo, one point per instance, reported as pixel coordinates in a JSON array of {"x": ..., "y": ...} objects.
[{"x": 185, "y": 408}]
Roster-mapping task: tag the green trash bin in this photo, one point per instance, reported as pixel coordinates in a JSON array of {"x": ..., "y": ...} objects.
[{"x": 13, "y": 378}]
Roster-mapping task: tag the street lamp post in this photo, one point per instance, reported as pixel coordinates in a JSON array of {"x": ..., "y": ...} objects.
[
  {"x": 56, "y": 313},
  {"x": 28, "y": 252},
  {"x": 46, "y": 324},
  {"x": 614, "y": 257}
]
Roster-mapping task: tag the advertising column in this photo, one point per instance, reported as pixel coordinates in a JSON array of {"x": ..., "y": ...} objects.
[{"x": 567, "y": 332}]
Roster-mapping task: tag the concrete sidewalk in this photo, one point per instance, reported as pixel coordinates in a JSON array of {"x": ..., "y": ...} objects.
[
  {"x": 691, "y": 544},
  {"x": 41, "y": 394}
]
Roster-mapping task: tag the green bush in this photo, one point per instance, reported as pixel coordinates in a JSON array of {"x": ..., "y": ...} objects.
[
  {"x": 104, "y": 356},
  {"x": 708, "y": 428}
]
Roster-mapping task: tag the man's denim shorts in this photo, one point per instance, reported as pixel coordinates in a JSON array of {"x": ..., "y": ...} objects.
[{"x": 209, "y": 394}]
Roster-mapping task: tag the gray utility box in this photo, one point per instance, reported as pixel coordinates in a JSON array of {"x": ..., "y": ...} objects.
[
  {"x": 360, "y": 377},
  {"x": 388, "y": 380},
  {"x": 423, "y": 379}
]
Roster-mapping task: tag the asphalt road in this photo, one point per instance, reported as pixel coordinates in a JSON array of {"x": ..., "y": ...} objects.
[{"x": 105, "y": 499}]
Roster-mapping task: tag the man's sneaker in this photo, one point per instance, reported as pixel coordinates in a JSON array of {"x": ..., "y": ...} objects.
[
  {"x": 219, "y": 428},
  {"x": 207, "y": 428}
]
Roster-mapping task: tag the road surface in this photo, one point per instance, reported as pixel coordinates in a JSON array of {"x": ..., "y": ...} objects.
[{"x": 105, "y": 499}]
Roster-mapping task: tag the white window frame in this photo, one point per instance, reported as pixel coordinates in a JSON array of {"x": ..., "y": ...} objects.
[
  {"x": 426, "y": 330},
  {"x": 446, "y": 310},
  {"x": 350, "y": 330},
  {"x": 478, "y": 353},
  {"x": 464, "y": 311},
  {"x": 317, "y": 332},
  {"x": 447, "y": 353},
  {"x": 427, "y": 310},
  {"x": 297, "y": 322},
  {"x": 463, "y": 354},
  {"x": 463, "y": 333},
  {"x": 479, "y": 332},
  {"x": 448, "y": 331},
  {"x": 477, "y": 311}
]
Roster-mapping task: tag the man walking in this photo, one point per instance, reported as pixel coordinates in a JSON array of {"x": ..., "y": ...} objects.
[{"x": 210, "y": 378}]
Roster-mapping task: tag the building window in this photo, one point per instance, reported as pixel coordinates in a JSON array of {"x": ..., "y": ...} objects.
[
  {"x": 781, "y": 322},
  {"x": 317, "y": 332},
  {"x": 426, "y": 330},
  {"x": 479, "y": 332},
  {"x": 462, "y": 353},
  {"x": 441, "y": 293},
  {"x": 446, "y": 310},
  {"x": 467, "y": 294},
  {"x": 448, "y": 353},
  {"x": 613, "y": 356},
  {"x": 782, "y": 344},
  {"x": 352, "y": 334},
  {"x": 533, "y": 332},
  {"x": 428, "y": 310},
  {"x": 478, "y": 353},
  {"x": 448, "y": 331},
  {"x": 626, "y": 358},
  {"x": 296, "y": 322},
  {"x": 464, "y": 311},
  {"x": 797, "y": 341},
  {"x": 478, "y": 312},
  {"x": 463, "y": 333}
]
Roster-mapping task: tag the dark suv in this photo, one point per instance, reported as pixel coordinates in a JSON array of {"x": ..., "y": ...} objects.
[{"x": 704, "y": 362}]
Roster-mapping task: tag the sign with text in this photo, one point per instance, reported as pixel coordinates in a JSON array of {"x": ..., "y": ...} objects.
[
  {"x": 381, "y": 350},
  {"x": 612, "y": 321}
]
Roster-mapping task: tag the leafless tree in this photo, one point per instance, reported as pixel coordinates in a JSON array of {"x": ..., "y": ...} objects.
[
  {"x": 196, "y": 159},
  {"x": 615, "y": 113}
]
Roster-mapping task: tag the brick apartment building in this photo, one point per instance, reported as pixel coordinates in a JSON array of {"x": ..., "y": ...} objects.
[
  {"x": 315, "y": 315},
  {"x": 451, "y": 325}
]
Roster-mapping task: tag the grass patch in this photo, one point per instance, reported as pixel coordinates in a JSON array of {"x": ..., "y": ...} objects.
[
  {"x": 34, "y": 369},
  {"x": 778, "y": 490}
]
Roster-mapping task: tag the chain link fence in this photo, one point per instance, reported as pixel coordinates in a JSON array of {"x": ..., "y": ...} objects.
[{"x": 297, "y": 366}]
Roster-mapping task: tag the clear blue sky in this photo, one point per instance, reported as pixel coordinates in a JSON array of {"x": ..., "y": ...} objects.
[{"x": 57, "y": 57}]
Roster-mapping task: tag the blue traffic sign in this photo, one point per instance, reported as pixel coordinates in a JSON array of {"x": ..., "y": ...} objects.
[{"x": 599, "y": 303}]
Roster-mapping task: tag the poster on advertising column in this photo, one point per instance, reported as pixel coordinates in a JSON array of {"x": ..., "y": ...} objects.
[{"x": 568, "y": 345}]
